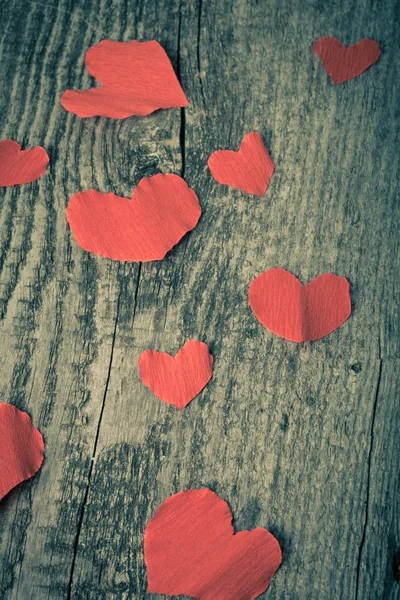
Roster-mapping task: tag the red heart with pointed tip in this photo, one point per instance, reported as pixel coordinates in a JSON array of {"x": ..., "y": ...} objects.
[
  {"x": 299, "y": 313},
  {"x": 190, "y": 548},
  {"x": 250, "y": 169},
  {"x": 177, "y": 379},
  {"x": 21, "y": 166},
  {"x": 343, "y": 63},
  {"x": 162, "y": 210},
  {"x": 21, "y": 448},
  {"x": 137, "y": 78}
]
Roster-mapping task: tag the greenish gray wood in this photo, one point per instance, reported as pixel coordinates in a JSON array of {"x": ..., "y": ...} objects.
[{"x": 301, "y": 439}]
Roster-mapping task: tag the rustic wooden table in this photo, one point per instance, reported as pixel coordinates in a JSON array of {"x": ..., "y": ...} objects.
[{"x": 302, "y": 439}]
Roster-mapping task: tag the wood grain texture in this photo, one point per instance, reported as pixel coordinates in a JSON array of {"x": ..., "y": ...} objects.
[{"x": 301, "y": 439}]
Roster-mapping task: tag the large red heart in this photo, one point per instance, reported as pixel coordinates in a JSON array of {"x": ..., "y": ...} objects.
[
  {"x": 249, "y": 169},
  {"x": 162, "y": 210},
  {"x": 21, "y": 448},
  {"x": 137, "y": 78},
  {"x": 299, "y": 313},
  {"x": 190, "y": 548},
  {"x": 21, "y": 166},
  {"x": 343, "y": 63},
  {"x": 177, "y": 379}
]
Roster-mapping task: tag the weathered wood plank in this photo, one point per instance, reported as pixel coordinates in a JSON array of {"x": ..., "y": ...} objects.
[
  {"x": 301, "y": 439},
  {"x": 60, "y": 307}
]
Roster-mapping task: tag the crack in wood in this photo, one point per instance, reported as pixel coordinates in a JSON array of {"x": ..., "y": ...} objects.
[
  {"x": 368, "y": 476},
  {"x": 182, "y": 131},
  {"x": 198, "y": 49},
  {"x": 82, "y": 512}
]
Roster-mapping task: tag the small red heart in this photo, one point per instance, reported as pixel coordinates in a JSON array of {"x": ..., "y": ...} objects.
[
  {"x": 137, "y": 78},
  {"x": 177, "y": 379},
  {"x": 162, "y": 210},
  {"x": 21, "y": 166},
  {"x": 190, "y": 548},
  {"x": 250, "y": 169},
  {"x": 299, "y": 313},
  {"x": 343, "y": 63},
  {"x": 21, "y": 448}
]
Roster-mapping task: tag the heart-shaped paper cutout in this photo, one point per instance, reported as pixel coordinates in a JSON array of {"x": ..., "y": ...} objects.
[
  {"x": 250, "y": 169},
  {"x": 299, "y": 313},
  {"x": 343, "y": 63},
  {"x": 21, "y": 448},
  {"x": 162, "y": 210},
  {"x": 137, "y": 78},
  {"x": 21, "y": 166},
  {"x": 177, "y": 379},
  {"x": 190, "y": 548}
]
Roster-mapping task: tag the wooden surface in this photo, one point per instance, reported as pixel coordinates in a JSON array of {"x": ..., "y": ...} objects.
[{"x": 303, "y": 440}]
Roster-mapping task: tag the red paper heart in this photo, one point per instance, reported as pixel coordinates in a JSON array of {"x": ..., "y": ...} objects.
[
  {"x": 162, "y": 210},
  {"x": 21, "y": 448},
  {"x": 21, "y": 166},
  {"x": 190, "y": 548},
  {"x": 343, "y": 63},
  {"x": 299, "y": 313},
  {"x": 177, "y": 379},
  {"x": 250, "y": 169},
  {"x": 137, "y": 78}
]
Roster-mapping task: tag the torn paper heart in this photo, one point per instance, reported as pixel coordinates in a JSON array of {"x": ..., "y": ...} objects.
[
  {"x": 177, "y": 379},
  {"x": 162, "y": 210},
  {"x": 299, "y": 313},
  {"x": 21, "y": 448},
  {"x": 250, "y": 169},
  {"x": 343, "y": 63},
  {"x": 21, "y": 166},
  {"x": 190, "y": 548},
  {"x": 137, "y": 78}
]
